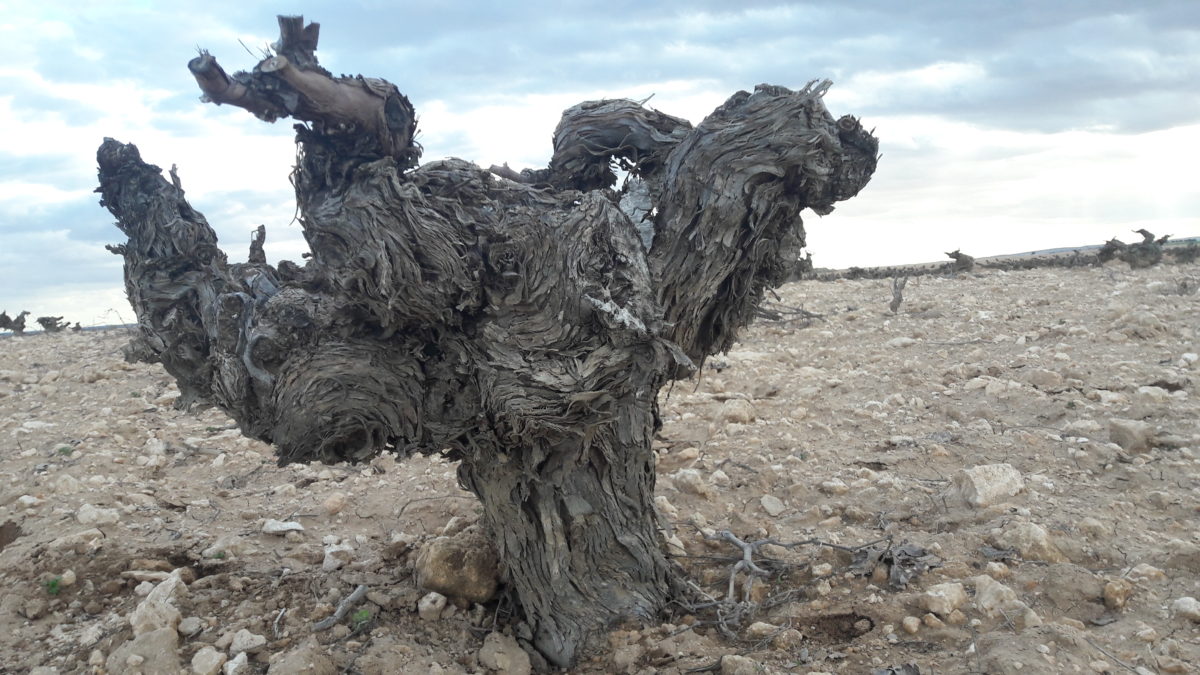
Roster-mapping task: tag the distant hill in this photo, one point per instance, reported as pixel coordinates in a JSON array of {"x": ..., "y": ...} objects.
[{"x": 1091, "y": 247}]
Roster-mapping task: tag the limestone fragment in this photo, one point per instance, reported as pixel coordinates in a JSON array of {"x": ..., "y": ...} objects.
[
  {"x": 280, "y": 528},
  {"x": 691, "y": 481},
  {"x": 732, "y": 664},
  {"x": 190, "y": 626},
  {"x": 1146, "y": 572},
  {"x": 336, "y": 556},
  {"x": 158, "y": 610},
  {"x": 941, "y": 599},
  {"x": 1187, "y": 607},
  {"x": 987, "y": 484},
  {"x": 761, "y": 629},
  {"x": 246, "y": 641},
  {"x": 96, "y": 516},
  {"x": 152, "y": 652},
  {"x": 502, "y": 654},
  {"x": 1131, "y": 435},
  {"x": 1116, "y": 593},
  {"x": 834, "y": 486},
  {"x": 772, "y": 505},
  {"x": 1030, "y": 540},
  {"x": 238, "y": 665},
  {"x": 464, "y": 566},
  {"x": 737, "y": 411},
  {"x": 430, "y": 606},
  {"x": 208, "y": 661},
  {"x": 995, "y": 600}
]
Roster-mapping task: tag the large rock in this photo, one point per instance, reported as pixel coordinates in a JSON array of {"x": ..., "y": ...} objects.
[
  {"x": 158, "y": 610},
  {"x": 208, "y": 661},
  {"x": 1030, "y": 540},
  {"x": 431, "y": 605},
  {"x": 1187, "y": 607},
  {"x": 734, "y": 664},
  {"x": 737, "y": 411},
  {"x": 279, "y": 527},
  {"x": 96, "y": 516},
  {"x": 464, "y": 566},
  {"x": 692, "y": 481},
  {"x": 995, "y": 600},
  {"x": 1116, "y": 593},
  {"x": 941, "y": 599},
  {"x": 1131, "y": 435},
  {"x": 246, "y": 641},
  {"x": 147, "y": 654},
  {"x": 1183, "y": 555},
  {"x": 336, "y": 557},
  {"x": 987, "y": 484},
  {"x": 238, "y": 665},
  {"x": 1044, "y": 379},
  {"x": 772, "y": 505},
  {"x": 79, "y": 542},
  {"x": 501, "y": 653}
]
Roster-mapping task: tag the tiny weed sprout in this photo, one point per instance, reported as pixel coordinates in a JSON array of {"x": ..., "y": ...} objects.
[
  {"x": 65, "y": 450},
  {"x": 53, "y": 586},
  {"x": 361, "y": 617}
]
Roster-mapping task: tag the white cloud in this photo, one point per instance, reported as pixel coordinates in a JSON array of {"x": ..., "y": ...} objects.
[
  {"x": 990, "y": 191},
  {"x": 20, "y": 197},
  {"x": 880, "y": 88}
]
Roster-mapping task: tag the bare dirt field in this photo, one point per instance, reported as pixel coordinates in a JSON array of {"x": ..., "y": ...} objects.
[{"x": 1020, "y": 450}]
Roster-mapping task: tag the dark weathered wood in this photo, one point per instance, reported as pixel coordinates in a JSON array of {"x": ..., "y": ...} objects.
[
  {"x": 52, "y": 324},
  {"x": 17, "y": 325},
  {"x": 519, "y": 323},
  {"x": 1145, "y": 253},
  {"x": 962, "y": 262}
]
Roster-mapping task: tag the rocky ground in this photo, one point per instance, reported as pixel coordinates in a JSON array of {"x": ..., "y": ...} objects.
[{"x": 1020, "y": 450}]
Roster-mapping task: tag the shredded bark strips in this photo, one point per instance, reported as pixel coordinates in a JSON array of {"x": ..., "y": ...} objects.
[{"x": 523, "y": 327}]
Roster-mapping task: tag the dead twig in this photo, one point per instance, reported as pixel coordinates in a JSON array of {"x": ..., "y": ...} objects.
[
  {"x": 746, "y": 563},
  {"x": 343, "y": 608},
  {"x": 898, "y": 284},
  {"x": 781, "y": 312},
  {"x": 1110, "y": 655}
]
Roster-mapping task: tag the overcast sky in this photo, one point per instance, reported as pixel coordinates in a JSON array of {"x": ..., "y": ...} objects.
[{"x": 1004, "y": 126}]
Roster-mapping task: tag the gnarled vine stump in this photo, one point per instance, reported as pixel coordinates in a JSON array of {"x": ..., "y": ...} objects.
[{"x": 522, "y": 324}]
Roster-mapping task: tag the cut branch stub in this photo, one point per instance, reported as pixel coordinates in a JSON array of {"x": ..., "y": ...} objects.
[{"x": 291, "y": 83}]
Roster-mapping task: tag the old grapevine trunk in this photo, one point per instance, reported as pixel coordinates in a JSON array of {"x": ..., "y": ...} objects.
[{"x": 520, "y": 323}]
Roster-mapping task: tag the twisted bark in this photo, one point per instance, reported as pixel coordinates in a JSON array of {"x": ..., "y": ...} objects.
[{"x": 522, "y": 325}]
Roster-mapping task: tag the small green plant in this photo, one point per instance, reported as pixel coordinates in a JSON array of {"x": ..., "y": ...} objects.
[
  {"x": 135, "y": 394},
  {"x": 219, "y": 555},
  {"x": 360, "y": 618},
  {"x": 65, "y": 450},
  {"x": 53, "y": 586}
]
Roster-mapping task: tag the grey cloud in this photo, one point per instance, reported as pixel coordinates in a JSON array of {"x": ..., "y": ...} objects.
[{"x": 1047, "y": 66}]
